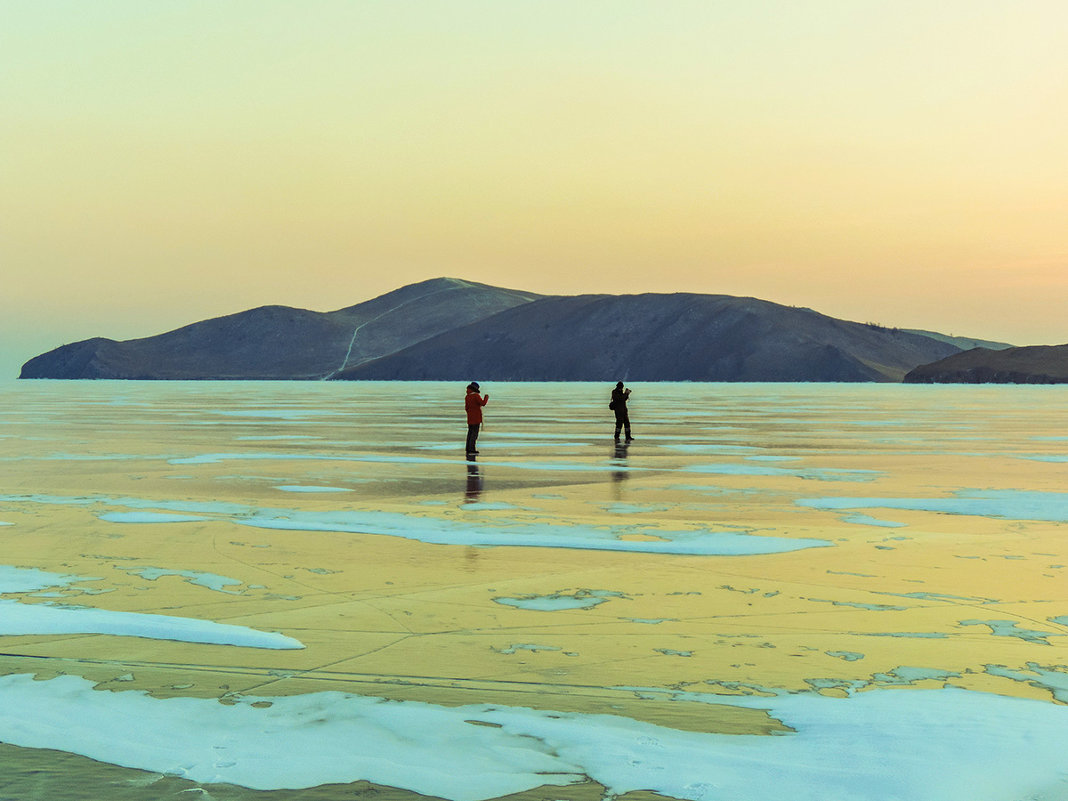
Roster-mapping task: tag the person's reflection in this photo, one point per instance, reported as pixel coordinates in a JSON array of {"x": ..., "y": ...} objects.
[
  {"x": 474, "y": 481},
  {"x": 619, "y": 460}
]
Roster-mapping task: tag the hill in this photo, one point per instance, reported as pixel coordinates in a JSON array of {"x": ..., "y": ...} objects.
[
  {"x": 659, "y": 337},
  {"x": 281, "y": 342},
  {"x": 1036, "y": 364},
  {"x": 450, "y": 329},
  {"x": 964, "y": 343}
]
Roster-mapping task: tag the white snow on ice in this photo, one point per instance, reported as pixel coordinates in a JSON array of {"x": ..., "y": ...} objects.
[
  {"x": 212, "y": 581},
  {"x": 147, "y": 517},
  {"x": 1007, "y": 504},
  {"x": 45, "y": 618},
  {"x": 700, "y": 542},
  {"x": 883, "y": 745},
  {"x": 29, "y": 579},
  {"x": 817, "y": 473},
  {"x": 866, "y": 520},
  {"x": 308, "y": 488},
  {"x": 547, "y": 535}
]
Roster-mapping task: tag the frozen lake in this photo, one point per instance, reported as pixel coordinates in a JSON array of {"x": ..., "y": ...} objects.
[{"x": 305, "y": 591}]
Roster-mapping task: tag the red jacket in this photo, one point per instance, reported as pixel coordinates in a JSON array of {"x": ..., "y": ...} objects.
[{"x": 474, "y": 403}]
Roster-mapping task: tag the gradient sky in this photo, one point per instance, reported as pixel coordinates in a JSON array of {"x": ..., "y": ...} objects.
[{"x": 902, "y": 162}]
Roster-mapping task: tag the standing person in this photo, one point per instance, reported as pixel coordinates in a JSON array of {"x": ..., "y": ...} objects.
[
  {"x": 473, "y": 403},
  {"x": 619, "y": 406}
]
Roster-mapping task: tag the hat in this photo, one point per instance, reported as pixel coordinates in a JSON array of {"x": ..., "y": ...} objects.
[
  {"x": 473, "y": 385},
  {"x": 619, "y": 385}
]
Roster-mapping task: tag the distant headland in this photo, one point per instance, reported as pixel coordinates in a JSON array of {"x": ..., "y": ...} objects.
[
  {"x": 1036, "y": 364},
  {"x": 452, "y": 329}
]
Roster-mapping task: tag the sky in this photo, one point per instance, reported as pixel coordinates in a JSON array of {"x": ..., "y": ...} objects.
[{"x": 904, "y": 162}]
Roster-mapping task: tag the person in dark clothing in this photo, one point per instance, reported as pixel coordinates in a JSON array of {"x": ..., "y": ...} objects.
[
  {"x": 474, "y": 403},
  {"x": 619, "y": 406}
]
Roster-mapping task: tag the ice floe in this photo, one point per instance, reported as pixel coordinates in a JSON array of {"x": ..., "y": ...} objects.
[{"x": 923, "y": 745}]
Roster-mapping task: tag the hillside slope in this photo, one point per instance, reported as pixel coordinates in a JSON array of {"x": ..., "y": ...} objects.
[
  {"x": 656, "y": 337},
  {"x": 1035, "y": 364},
  {"x": 280, "y": 342}
]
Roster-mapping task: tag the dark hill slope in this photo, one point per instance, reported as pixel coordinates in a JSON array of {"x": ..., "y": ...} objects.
[
  {"x": 279, "y": 342},
  {"x": 1035, "y": 364},
  {"x": 964, "y": 343},
  {"x": 655, "y": 337}
]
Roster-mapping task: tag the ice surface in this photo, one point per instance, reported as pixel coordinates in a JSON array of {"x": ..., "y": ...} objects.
[
  {"x": 848, "y": 656},
  {"x": 546, "y": 535},
  {"x": 448, "y": 532},
  {"x": 43, "y": 618},
  {"x": 212, "y": 581},
  {"x": 147, "y": 517},
  {"x": 580, "y": 599},
  {"x": 25, "y": 579},
  {"x": 921, "y": 745},
  {"x": 204, "y": 507},
  {"x": 287, "y": 413},
  {"x": 865, "y": 520},
  {"x": 217, "y": 458},
  {"x": 309, "y": 488},
  {"x": 531, "y": 647},
  {"x": 816, "y": 473},
  {"x": 269, "y": 437},
  {"x": 506, "y": 445},
  {"x": 1055, "y": 681},
  {"x": 453, "y": 623},
  {"x": 1010, "y": 504},
  {"x": 711, "y": 447},
  {"x": 1012, "y": 628}
]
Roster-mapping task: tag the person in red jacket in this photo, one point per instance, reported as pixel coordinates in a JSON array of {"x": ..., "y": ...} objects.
[{"x": 474, "y": 403}]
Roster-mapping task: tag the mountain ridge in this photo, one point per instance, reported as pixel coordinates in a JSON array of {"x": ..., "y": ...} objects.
[
  {"x": 452, "y": 329},
  {"x": 281, "y": 342},
  {"x": 652, "y": 336}
]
